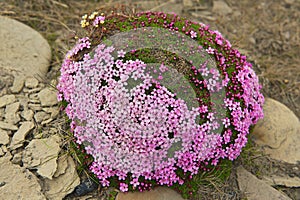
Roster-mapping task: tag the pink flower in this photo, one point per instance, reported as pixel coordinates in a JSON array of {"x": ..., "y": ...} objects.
[
  {"x": 193, "y": 34},
  {"x": 123, "y": 187},
  {"x": 210, "y": 50}
]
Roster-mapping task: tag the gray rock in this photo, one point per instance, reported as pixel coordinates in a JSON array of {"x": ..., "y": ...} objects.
[
  {"x": 221, "y": 7},
  {"x": 64, "y": 184},
  {"x": 278, "y": 133},
  {"x": 4, "y": 138},
  {"x": 19, "y": 136},
  {"x": 48, "y": 97},
  {"x": 18, "y": 183},
  {"x": 11, "y": 115},
  {"x": 8, "y": 126},
  {"x": 41, "y": 154},
  {"x": 17, "y": 85},
  {"x": 31, "y": 82},
  {"x": 159, "y": 193},
  {"x": 255, "y": 189},
  {"x": 24, "y": 52},
  {"x": 7, "y": 99}
]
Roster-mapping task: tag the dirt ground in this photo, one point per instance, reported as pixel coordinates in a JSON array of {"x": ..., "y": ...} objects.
[{"x": 268, "y": 32}]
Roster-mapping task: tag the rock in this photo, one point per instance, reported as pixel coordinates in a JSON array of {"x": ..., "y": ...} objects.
[
  {"x": 17, "y": 159},
  {"x": 27, "y": 114},
  {"x": 278, "y": 132},
  {"x": 62, "y": 164},
  {"x": 48, "y": 97},
  {"x": 31, "y": 82},
  {"x": 17, "y": 85},
  {"x": 59, "y": 187},
  {"x": 25, "y": 54},
  {"x": 4, "y": 138},
  {"x": 8, "y": 126},
  {"x": 54, "y": 111},
  {"x": 257, "y": 189},
  {"x": 41, "y": 116},
  {"x": 19, "y": 136},
  {"x": 18, "y": 183},
  {"x": 11, "y": 115},
  {"x": 282, "y": 181},
  {"x": 7, "y": 99},
  {"x": 85, "y": 187},
  {"x": 1, "y": 152},
  {"x": 4, "y": 149},
  {"x": 159, "y": 193},
  {"x": 289, "y": 1},
  {"x": 41, "y": 154},
  {"x": 221, "y": 7}
]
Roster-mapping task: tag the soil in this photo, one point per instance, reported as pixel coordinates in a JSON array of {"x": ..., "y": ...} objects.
[{"x": 266, "y": 31}]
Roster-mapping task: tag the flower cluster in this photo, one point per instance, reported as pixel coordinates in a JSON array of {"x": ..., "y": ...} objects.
[
  {"x": 139, "y": 127},
  {"x": 93, "y": 19}
]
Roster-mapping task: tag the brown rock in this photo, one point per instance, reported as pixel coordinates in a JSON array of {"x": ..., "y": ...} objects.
[
  {"x": 159, "y": 193},
  {"x": 255, "y": 189},
  {"x": 24, "y": 52},
  {"x": 47, "y": 97},
  {"x": 19, "y": 136},
  {"x": 4, "y": 138},
  {"x": 42, "y": 154},
  {"x": 283, "y": 181},
  {"x": 279, "y": 132},
  {"x": 17, "y": 85},
  {"x": 11, "y": 115},
  {"x": 8, "y": 126},
  {"x": 7, "y": 99},
  {"x": 18, "y": 183},
  {"x": 221, "y": 7},
  {"x": 59, "y": 187}
]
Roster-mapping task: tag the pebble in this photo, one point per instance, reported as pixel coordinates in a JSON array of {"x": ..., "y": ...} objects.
[
  {"x": 8, "y": 126},
  {"x": 17, "y": 85},
  {"x": 4, "y": 138},
  {"x": 27, "y": 115},
  {"x": 19, "y": 136},
  {"x": 7, "y": 99},
  {"x": 221, "y": 7},
  {"x": 11, "y": 115},
  {"x": 41, "y": 116},
  {"x": 31, "y": 82},
  {"x": 48, "y": 97}
]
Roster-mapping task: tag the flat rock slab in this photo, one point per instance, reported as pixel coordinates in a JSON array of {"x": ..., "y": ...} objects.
[
  {"x": 24, "y": 52},
  {"x": 42, "y": 154},
  {"x": 64, "y": 182},
  {"x": 48, "y": 97},
  {"x": 283, "y": 181},
  {"x": 255, "y": 189},
  {"x": 18, "y": 183},
  {"x": 19, "y": 136},
  {"x": 278, "y": 132},
  {"x": 159, "y": 193}
]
